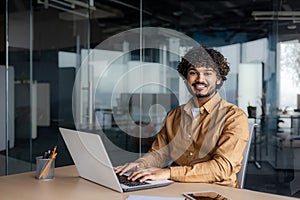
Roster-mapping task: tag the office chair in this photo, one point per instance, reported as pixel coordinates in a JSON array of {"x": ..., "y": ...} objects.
[{"x": 241, "y": 174}]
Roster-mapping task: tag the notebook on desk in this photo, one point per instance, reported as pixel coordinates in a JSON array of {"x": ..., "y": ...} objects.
[{"x": 92, "y": 162}]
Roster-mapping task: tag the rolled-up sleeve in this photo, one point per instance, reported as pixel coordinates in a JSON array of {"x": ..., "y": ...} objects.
[{"x": 159, "y": 152}]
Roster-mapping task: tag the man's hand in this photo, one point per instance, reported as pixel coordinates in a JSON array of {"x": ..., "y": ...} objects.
[
  {"x": 128, "y": 167},
  {"x": 151, "y": 174}
]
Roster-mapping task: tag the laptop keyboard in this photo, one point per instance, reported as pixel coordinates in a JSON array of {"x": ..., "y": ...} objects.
[{"x": 123, "y": 180}]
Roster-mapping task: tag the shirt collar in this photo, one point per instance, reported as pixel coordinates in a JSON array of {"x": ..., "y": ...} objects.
[{"x": 208, "y": 106}]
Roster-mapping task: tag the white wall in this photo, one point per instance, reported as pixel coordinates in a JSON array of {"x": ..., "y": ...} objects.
[
  {"x": 255, "y": 51},
  {"x": 232, "y": 54},
  {"x": 250, "y": 86}
]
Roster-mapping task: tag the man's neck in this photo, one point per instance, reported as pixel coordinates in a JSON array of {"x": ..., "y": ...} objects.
[{"x": 200, "y": 101}]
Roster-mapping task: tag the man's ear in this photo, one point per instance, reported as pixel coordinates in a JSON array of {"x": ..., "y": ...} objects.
[
  {"x": 219, "y": 83},
  {"x": 219, "y": 80}
]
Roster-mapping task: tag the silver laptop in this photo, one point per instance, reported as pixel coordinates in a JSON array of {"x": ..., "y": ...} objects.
[{"x": 92, "y": 162}]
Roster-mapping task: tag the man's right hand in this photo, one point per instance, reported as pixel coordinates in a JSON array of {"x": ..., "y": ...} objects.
[{"x": 128, "y": 167}]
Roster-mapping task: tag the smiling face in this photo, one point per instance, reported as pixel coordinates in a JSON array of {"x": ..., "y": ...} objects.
[
  {"x": 204, "y": 71},
  {"x": 202, "y": 82}
]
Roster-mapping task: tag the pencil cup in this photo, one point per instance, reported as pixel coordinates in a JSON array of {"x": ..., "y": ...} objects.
[{"x": 45, "y": 168}]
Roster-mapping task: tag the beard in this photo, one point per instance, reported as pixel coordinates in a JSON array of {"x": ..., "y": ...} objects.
[{"x": 211, "y": 92}]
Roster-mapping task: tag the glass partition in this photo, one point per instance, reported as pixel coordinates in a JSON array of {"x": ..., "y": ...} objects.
[
  {"x": 38, "y": 31},
  {"x": 18, "y": 70},
  {"x": 109, "y": 67}
]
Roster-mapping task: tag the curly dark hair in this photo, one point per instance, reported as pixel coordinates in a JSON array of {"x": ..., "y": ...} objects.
[{"x": 202, "y": 56}]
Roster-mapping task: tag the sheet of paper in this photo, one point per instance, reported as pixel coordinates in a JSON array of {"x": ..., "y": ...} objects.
[{"x": 142, "y": 197}]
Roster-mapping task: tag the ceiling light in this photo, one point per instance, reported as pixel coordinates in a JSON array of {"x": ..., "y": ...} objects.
[
  {"x": 69, "y": 6},
  {"x": 273, "y": 15},
  {"x": 177, "y": 13},
  {"x": 292, "y": 27}
]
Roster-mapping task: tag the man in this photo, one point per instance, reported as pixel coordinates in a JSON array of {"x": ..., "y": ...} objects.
[{"x": 205, "y": 138}]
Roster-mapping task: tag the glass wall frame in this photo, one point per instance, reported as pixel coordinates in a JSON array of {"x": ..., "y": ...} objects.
[{"x": 71, "y": 66}]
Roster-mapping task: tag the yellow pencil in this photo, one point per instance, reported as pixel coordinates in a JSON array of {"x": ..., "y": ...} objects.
[{"x": 45, "y": 170}]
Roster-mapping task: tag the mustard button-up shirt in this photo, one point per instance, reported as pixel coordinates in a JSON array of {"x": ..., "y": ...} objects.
[{"x": 205, "y": 148}]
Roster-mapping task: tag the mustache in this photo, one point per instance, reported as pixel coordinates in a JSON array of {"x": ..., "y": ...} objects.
[{"x": 194, "y": 84}]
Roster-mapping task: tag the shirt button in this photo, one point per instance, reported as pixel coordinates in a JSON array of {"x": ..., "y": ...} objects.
[
  {"x": 189, "y": 136},
  {"x": 191, "y": 153}
]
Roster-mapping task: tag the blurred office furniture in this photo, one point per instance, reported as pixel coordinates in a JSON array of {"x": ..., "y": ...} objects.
[
  {"x": 104, "y": 118},
  {"x": 285, "y": 143},
  {"x": 133, "y": 122},
  {"x": 289, "y": 123},
  {"x": 295, "y": 129},
  {"x": 138, "y": 106},
  {"x": 10, "y": 109}
]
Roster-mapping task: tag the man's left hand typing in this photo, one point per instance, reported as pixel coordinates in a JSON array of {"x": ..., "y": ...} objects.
[{"x": 151, "y": 173}]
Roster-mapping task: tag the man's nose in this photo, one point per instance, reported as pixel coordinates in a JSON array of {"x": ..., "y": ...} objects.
[{"x": 200, "y": 77}]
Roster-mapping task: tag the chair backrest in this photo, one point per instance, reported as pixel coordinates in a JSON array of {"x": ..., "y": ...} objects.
[{"x": 241, "y": 174}]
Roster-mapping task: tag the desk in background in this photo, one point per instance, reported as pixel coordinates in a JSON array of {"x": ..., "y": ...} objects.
[
  {"x": 67, "y": 185},
  {"x": 286, "y": 141},
  {"x": 293, "y": 128},
  {"x": 289, "y": 116}
]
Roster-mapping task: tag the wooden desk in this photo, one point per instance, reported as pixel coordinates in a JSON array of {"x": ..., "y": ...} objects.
[{"x": 67, "y": 185}]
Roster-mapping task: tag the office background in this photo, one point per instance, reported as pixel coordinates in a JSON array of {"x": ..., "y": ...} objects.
[{"x": 46, "y": 44}]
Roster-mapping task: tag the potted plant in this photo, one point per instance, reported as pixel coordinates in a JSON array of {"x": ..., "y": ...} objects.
[{"x": 251, "y": 111}]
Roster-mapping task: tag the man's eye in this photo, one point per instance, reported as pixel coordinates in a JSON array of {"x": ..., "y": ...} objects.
[
  {"x": 192, "y": 73},
  {"x": 208, "y": 73}
]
